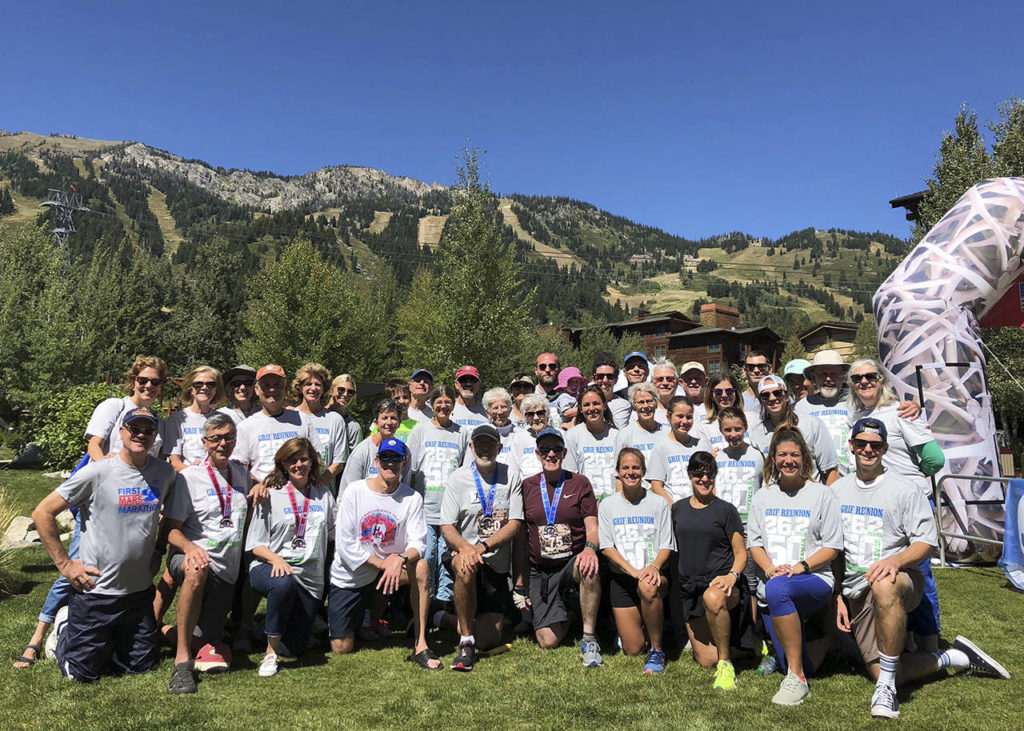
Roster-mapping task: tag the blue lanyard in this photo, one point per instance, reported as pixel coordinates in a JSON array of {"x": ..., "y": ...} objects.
[
  {"x": 488, "y": 504},
  {"x": 551, "y": 508}
]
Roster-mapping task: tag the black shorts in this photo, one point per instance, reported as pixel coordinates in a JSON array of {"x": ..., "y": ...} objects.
[
  {"x": 623, "y": 592},
  {"x": 216, "y": 600},
  {"x": 548, "y": 588},
  {"x": 493, "y": 589},
  {"x": 346, "y": 607},
  {"x": 692, "y": 590}
]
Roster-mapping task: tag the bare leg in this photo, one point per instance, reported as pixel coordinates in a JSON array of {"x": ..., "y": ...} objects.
[
  {"x": 465, "y": 602},
  {"x": 788, "y": 630},
  {"x": 701, "y": 643},
  {"x": 164, "y": 596},
  {"x": 37, "y": 639},
  {"x": 189, "y": 605},
  {"x": 716, "y": 609},
  {"x": 653, "y": 610},
  {"x": 629, "y": 624},
  {"x": 343, "y": 645},
  {"x": 590, "y": 599},
  {"x": 419, "y": 598},
  {"x": 551, "y": 636},
  {"x": 491, "y": 630}
]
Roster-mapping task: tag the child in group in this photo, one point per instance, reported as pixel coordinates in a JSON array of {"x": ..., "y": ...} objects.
[{"x": 570, "y": 383}]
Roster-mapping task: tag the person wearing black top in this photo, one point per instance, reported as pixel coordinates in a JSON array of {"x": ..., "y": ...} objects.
[{"x": 712, "y": 555}]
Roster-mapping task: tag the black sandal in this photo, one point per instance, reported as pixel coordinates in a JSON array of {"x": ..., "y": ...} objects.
[
  {"x": 423, "y": 658},
  {"x": 183, "y": 679},
  {"x": 29, "y": 661}
]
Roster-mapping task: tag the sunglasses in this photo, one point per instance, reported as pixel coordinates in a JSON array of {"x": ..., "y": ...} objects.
[
  {"x": 346, "y": 391},
  {"x": 700, "y": 474},
  {"x": 390, "y": 459},
  {"x": 767, "y": 396},
  {"x": 533, "y": 414},
  {"x": 664, "y": 379},
  {"x": 218, "y": 438},
  {"x": 468, "y": 379},
  {"x": 241, "y": 384},
  {"x": 865, "y": 443},
  {"x": 724, "y": 391},
  {"x": 869, "y": 377},
  {"x": 604, "y": 376},
  {"x": 548, "y": 367},
  {"x": 143, "y": 381},
  {"x": 550, "y": 450},
  {"x": 209, "y": 385},
  {"x": 141, "y": 431},
  {"x": 755, "y": 366}
]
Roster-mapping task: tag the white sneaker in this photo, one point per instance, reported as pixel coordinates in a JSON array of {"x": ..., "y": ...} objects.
[
  {"x": 792, "y": 692},
  {"x": 269, "y": 666},
  {"x": 884, "y": 703},
  {"x": 59, "y": 622}
]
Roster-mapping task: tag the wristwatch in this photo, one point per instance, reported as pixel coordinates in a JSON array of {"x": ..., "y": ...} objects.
[
  {"x": 487, "y": 549},
  {"x": 807, "y": 569},
  {"x": 736, "y": 574},
  {"x": 405, "y": 560},
  {"x": 591, "y": 546}
]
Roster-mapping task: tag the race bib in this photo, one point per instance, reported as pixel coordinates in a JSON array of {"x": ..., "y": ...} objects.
[
  {"x": 487, "y": 527},
  {"x": 555, "y": 541}
]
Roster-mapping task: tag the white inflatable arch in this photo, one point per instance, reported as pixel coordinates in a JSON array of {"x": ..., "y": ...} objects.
[{"x": 928, "y": 313}]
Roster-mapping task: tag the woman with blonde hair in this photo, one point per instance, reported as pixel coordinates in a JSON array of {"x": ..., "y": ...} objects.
[
  {"x": 288, "y": 539},
  {"x": 183, "y": 432},
  {"x": 343, "y": 393},
  {"x": 309, "y": 385}
]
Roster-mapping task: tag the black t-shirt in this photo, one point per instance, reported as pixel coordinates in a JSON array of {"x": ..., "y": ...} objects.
[{"x": 704, "y": 537}]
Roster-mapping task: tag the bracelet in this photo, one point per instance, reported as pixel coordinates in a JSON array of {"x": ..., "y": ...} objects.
[
  {"x": 487, "y": 549},
  {"x": 807, "y": 569},
  {"x": 736, "y": 574}
]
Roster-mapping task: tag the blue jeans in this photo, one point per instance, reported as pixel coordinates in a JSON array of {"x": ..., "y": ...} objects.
[
  {"x": 923, "y": 619},
  {"x": 440, "y": 579},
  {"x": 803, "y": 594},
  {"x": 290, "y": 608},
  {"x": 61, "y": 590}
]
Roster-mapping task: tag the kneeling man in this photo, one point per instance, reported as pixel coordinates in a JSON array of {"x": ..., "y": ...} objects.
[
  {"x": 888, "y": 529},
  {"x": 111, "y": 626},
  {"x": 481, "y": 512}
]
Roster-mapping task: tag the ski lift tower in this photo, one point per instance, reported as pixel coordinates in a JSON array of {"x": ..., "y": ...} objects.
[{"x": 64, "y": 203}]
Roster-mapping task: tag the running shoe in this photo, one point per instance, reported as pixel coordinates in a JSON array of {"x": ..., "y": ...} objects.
[
  {"x": 981, "y": 664},
  {"x": 213, "y": 658},
  {"x": 465, "y": 658},
  {"x": 884, "y": 703},
  {"x": 792, "y": 691},
  {"x": 655, "y": 662},
  {"x": 269, "y": 666},
  {"x": 769, "y": 663},
  {"x": 591, "y": 653},
  {"x": 725, "y": 676},
  {"x": 382, "y": 628}
]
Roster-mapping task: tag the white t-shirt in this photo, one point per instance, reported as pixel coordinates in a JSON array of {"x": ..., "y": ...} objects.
[
  {"x": 105, "y": 423},
  {"x": 637, "y": 437},
  {"x": 523, "y": 454},
  {"x": 424, "y": 414},
  {"x": 261, "y": 435},
  {"x": 668, "y": 465},
  {"x": 468, "y": 417},
  {"x": 740, "y": 474},
  {"x": 836, "y": 418},
  {"x": 183, "y": 435},
  {"x": 638, "y": 531},
  {"x": 462, "y": 509},
  {"x": 373, "y": 523},
  {"x": 237, "y": 415},
  {"x": 819, "y": 441},
  {"x": 434, "y": 454},
  {"x": 593, "y": 456},
  {"x": 902, "y": 435},
  {"x": 332, "y": 434}
]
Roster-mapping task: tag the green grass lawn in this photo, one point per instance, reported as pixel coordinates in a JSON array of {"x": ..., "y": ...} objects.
[{"x": 526, "y": 687}]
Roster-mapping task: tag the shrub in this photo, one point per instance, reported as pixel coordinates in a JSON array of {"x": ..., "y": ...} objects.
[{"x": 60, "y": 424}]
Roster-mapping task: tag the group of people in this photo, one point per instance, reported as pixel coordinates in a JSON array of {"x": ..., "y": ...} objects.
[{"x": 775, "y": 518}]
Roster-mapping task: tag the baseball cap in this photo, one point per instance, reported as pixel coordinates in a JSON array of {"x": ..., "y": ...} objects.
[
  {"x": 467, "y": 370},
  {"x": 421, "y": 372},
  {"x": 142, "y": 412},
  {"x": 635, "y": 354},
  {"x": 871, "y": 426},
  {"x": 770, "y": 380},
  {"x": 485, "y": 430},
  {"x": 692, "y": 366},
  {"x": 395, "y": 446},
  {"x": 270, "y": 370},
  {"x": 524, "y": 379},
  {"x": 796, "y": 367},
  {"x": 550, "y": 432}
]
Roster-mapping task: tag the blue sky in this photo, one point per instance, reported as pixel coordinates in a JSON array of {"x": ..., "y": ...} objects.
[{"x": 760, "y": 117}]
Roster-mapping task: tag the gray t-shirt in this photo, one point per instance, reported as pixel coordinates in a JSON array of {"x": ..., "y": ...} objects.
[
  {"x": 668, "y": 465},
  {"x": 424, "y": 414},
  {"x": 196, "y": 505},
  {"x": 332, "y": 435},
  {"x": 183, "y": 436},
  {"x": 902, "y": 435},
  {"x": 791, "y": 527},
  {"x": 362, "y": 463},
  {"x": 237, "y": 415},
  {"x": 621, "y": 411},
  {"x": 523, "y": 453},
  {"x": 463, "y": 509},
  {"x": 637, "y": 530},
  {"x": 593, "y": 456},
  {"x": 120, "y": 513},
  {"x": 712, "y": 432},
  {"x": 434, "y": 454},
  {"x": 835, "y": 415},
  {"x": 740, "y": 474},
  {"x": 819, "y": 441},
  {"x": 273, "y": 526},
  {"x": 469, "y": 417},
  {"x": 355, "y": 434},
  {"x": 880, "y": 519},
  {"x": 637, "y": 437},
  {"x": 261, "y": 435},
  {"x": 105, "y": 423}
]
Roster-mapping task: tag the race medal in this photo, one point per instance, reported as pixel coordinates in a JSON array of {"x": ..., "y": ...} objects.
[
  {"x": 227, "y": 523},
  {"x": 225, "y": 498},
  {"x": 300, "y": 517},
  {"x": 487, "y": 526},
  {"x": 298, "y": 543}
]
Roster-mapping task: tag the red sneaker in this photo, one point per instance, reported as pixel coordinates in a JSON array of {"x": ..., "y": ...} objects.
[{"x": 213, "y": 658}]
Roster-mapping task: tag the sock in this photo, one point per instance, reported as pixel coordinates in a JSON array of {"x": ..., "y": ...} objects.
[
  {"x": 589, "y": 636},
  {"x": 467, "y": 640},
  {"x": 887, "y": 669},
  {"x": 438, "y": 616},
  {"x": 952, "y": 658}
]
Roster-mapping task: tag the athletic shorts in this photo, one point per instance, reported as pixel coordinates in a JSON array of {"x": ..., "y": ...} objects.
[
  {"x": 862, "y": 614},
  {"x": 692, "y": 596},
  {"x": 493, "y": 589},
  {"x": 108, "y": 634},
  {"x": 216, "y": 600},
  {"x": 623, "y": 590},
  {"x": 547, "y": 593},
  {"x": 347, "y": 606}
]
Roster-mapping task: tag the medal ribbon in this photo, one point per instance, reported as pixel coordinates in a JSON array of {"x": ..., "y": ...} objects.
[
  {"x": 551, "y": 508},
  {"x": 225, "y": 499},
  {"x": 300, "y": 519},
  {"x": 488, "y": 504}
]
